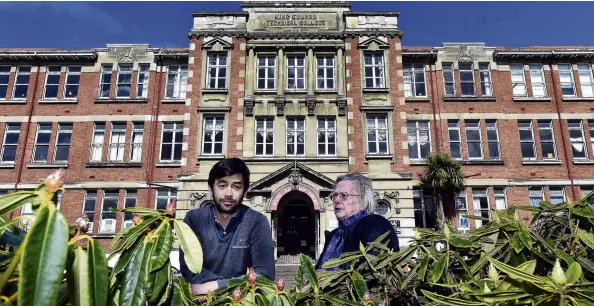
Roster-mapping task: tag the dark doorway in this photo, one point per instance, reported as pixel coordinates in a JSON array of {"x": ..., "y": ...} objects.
[{"x": 296, "y": 221}]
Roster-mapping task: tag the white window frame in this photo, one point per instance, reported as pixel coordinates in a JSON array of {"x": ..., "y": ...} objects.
[
  {"x": 178, "y": 127},
  {"x": 90, "y": 213},
  {"x": 501, "y": 194},
  {"x": 591, "y": 132},
  {"x": 462, "y": 210},
  {"x": 410, "y": 80},
  {"x": 454, "y": 127},
  {"x": 57, "y": 71},
  {"x": 376, "y": 119},
  {"x": 543, "y": 127},
  {"x": 129, "y": 197},
  {"x": 106, "y": 71},
  {"x": 448, "y": 68},
  {"x": 567, "y": 69},
  {"x": 5, "y": 71},
  {"x": 293, "y": 128},
  {"x": 103, "y": 229},
  {"x": 535, "y": 192},
  {"x": 493, "y": 125},
  {"x": 417, "y": 130},
  {"x": 62, "y": 129},
  {"x": 296, "y": 67},
  {"x": 171, "y": 195},
  {"x": 267, "y": 67},
  {"x": 486, "y": 83},
  {"x": 124, "y": 70},
  {"x": 326, "y": 129},
  {"x": 576, "y": 125},
  {"x": 530, "y": 128},
  {"x": 20, "y": 73},
  {"x": 178, "y": 88},
  {"x": 219, "y": 67},
  {"x": 517, "y": 70},
  {"x": 586, "y": 80},
  {"x": 136, "y": 141},
  {"x": 215, "y": 119},
  {"x": 71, "y": 71},
  {"x": 10, "y": 128},
  {"x": 471, "y": 71},
  {"x": 537, "y": 70},
  {"x": 37, "y": 144},
  {"x": 96, "y": 145},
  {"x": 325, "y": 67},
  {"x": 556, "y": 192},
  {"x": 374, "y": 55},
  {"x": 469, "y": 126},
  {"x": 117, "y": 142},
  {"x": 266, "y": 130},
  {"x": 142, "y": 80},
  {"x": 480, "y": 193}
]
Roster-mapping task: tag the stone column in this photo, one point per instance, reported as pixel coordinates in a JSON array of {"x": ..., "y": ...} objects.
[
  {"x": 250, "y": 73},
  {"x": 280, "y": 77},
  {"x": 311, "y": 76},
  {"x": 340, "y": 73}
]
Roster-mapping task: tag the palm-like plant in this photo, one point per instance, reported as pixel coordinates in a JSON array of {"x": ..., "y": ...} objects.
[{"x": 445, "y": 177}]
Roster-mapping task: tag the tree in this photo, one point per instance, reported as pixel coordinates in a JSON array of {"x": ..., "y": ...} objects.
[{"x": 445, "y": 177}]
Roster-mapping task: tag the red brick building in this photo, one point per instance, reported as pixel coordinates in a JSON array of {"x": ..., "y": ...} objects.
[{"x": 303, "y": 92}]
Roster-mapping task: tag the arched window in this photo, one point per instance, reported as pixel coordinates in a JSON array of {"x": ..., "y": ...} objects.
[{"x": 382, "y": 208}]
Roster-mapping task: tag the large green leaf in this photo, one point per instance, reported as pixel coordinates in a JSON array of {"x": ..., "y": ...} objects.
[
  {"x": 141, "y": 211},
  {"x": 573, "y": 273},
  {"x": 336, "y": 301},
  {"x": 446, "y": 300},
  {"x": 524, "y": 236},
  {"x": 15, "y": 200},
  {"x": 162, "y": 277},
  {"x": 586, "y": 263},
  {"x": 359, "y": 283},
  {"x": 132, "y": 291},
  {"x": 586, "y": 238},
  {"x": 517, "y": 243},
  {"x": 423, "y": 267},
  {"x": 190, "y": 246},
  {"x": 134, "y": 234},
  {"x": 119, "y": 235},
  {"x": 43, "y": 258},
  {"x": 500, "y": 296},
  {"x": 339, "y": 261},
  {"x": 438, "y": 268},
  {"x": 78, "y": 279},
  {"x": 308, "y": 273},
  {"x": 461, "y": 242},
  {"x": 97, "y": 272},
  {"x": 515, "y": 273},
  {"x": 161, "y": 247}
]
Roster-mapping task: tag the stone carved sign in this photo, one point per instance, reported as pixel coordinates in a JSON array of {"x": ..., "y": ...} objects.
[
  {"x": 296, "y": 22},
  {"x": 196, "y": 196},
  {"x": 127, "y": 54}
]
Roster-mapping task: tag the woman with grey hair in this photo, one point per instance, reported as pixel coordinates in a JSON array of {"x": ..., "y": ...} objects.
[{"x": 354, "y": 203}]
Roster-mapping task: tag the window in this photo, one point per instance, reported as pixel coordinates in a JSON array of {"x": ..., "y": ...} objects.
[
  {"x": 42, "y": 141},
  {"x": 124, "y": 81},
  {"x": 485, "y": 75},
  {"x": 526, "y": 139},
  {"x": 500, "y": 198},
  {"x": 108, "y": 218},
  {"x": 381, "y": 208},
  {"x": 325, "y": 71},
  {"x": 212, "y": 140},
  {"x": 10, "y": 143},
  {"x": 454, "y": 133},
  {"x": 374, "y": 70},
  {"x": 89, "y": 207},
  {"x": 177, "y": 80},
  {"x": 576, "y": 137},
  {"x": 63, "y": 142},
  {"x": 473, "y": 139},
  {"x": 117, "y": 141},
  {"x": 97, "y": 144},
  {"x": 295, "y": 72},
  {"x": 266, "y": 67},
  {"x": 52, "y": 82},
  {"x": 295, "y": 136},
  {"x": 105, "y": 83},
  {"x": 171, "y": 141},
  {"x": 4, "y": 78},
  {"x": 377, "y": 134},
  {"x": 547, "y": 139},
  {"x": 143, "y": 79},
  {"x": 557, "y": 195},
  {"x": 136, "y": 143},
  {"x": 480, "y": 204},
  {"x": 466, "y": 79},
  {"x": 586, "y": 190},
  {"x": 462, "y": 209},
  {"x": 586, "y": 82},
  {"x": 493, "y": 139},
  {"x": 414, "y": 80},
  {"x": 72, "y": 82},
  {"x": 419, "y": 141},
  {"x": 130, "y": 201},
  {"x": 217, "y": 70},
  {"x": 518, "y": 80},
  {"x": 326, "y": 136},
  {"x": 566, "y": 78},
  {"x": 536, "y": 196},
  {"x": 164, "y": 197},
  {"x": 424, "y": 209},
  {"x": 21, "y": 85},
  {"x": 264, "y": 136},
  {"x": 539, "y": 88},
  {"x": 591, "y": 129},
  {"x": 448, "y": 79}
]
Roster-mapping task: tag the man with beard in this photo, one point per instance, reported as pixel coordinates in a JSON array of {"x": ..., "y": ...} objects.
[{"x": 234, "y": 237}]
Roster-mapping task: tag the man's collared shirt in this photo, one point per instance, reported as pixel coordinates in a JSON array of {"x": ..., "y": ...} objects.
[{"x": 233, "y": 223}]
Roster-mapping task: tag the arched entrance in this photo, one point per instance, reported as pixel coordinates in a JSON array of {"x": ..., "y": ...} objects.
[{"x": 296, "y": 225}]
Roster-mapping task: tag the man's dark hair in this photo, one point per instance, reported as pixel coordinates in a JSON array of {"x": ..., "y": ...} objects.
[{"x": 227, "y": 167}]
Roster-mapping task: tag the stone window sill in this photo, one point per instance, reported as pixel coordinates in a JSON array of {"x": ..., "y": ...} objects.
[
  {"x": 173, "y": 101},
  {"x": 44, "y": 165},
  {"x": 326, "y": 91},
  {"x": 296, "y": 91},
  {"x": 471, "y": 162},
  {"x": 121, "y": 100},
  {"x": 417, "y": 162},
  {"x": 583, "y": 162},
  {"x": 209, "y": 157},
  {"x": 215, "y": 90},
  {"x": 323, "y": 159},
  {"x": 6, "y": 166},
  {"x": 532, "y": 99},
  {"x": 113, "y": 165},
  {"x": 578, "y": 99},
  {"x": 378, "y": 108},
  {"x": 417, "y": 99},
  {"x": 15, "y": 101},
  {"x": 208, "y": 109},
  {"x": 103, "y": 235},
  {"x": 469, "y": 99},
  {"x": 376, "y": 90},
  {"x": 169, "y": 164},
  {"x": 55, "y": 101},
  {"x": 541, "y": 162}
]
